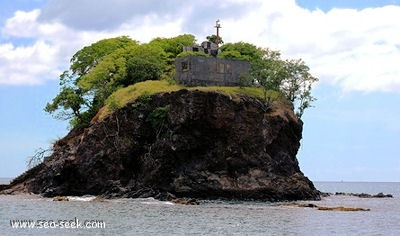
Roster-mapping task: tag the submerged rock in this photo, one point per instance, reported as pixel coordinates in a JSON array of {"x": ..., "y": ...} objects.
[
  {"x": 324, "y": 208},
  {"x": 341, "y": 208},
  {"x": 60, "y": 199},
  {"x": 186, "y": 144},
  {"x": 365, "y": 195},
  {"x": 181, "y": 201}
]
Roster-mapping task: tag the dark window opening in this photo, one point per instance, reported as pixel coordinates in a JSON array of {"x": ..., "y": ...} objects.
[{"x": 185, "y": 66}]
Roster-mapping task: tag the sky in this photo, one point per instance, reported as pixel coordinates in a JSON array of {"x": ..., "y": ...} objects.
[{"x": 353, "y": 46}]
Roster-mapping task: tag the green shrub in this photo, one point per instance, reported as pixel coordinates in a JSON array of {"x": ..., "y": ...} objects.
[
  {"x": 142, "y": 100},
  {"x": 157, "y": 117}
]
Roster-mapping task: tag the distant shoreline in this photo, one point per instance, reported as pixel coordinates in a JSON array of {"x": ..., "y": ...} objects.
[{"x": 5, "y": 180}]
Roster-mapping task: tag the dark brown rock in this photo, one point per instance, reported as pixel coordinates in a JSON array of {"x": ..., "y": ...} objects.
[
  {"x": 60, "y": 199},
  {"x": 324, "y": 208},
  {"x": 4, "y": 186},
  {"x": 202, "y": 145},
  {"x": 341, "y": 208},
  {"x": 189, "y": 201},
  {"x": 365, "y": 195}
]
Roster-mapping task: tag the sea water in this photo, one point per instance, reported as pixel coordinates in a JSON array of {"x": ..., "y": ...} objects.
[{"x": 151, "y": 217}]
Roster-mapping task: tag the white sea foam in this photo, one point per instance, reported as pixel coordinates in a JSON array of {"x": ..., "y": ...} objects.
[
  {"x": 86, "y": 198},
  {"x": 152, "y": 201}
]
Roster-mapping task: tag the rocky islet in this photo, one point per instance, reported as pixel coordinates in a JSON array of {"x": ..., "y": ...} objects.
[{"x": 184, "y": 144}]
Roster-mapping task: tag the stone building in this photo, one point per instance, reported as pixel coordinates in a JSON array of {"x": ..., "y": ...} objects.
[
  {"x": 209, "y": 71},
  {"x": 206, "y": 47}
]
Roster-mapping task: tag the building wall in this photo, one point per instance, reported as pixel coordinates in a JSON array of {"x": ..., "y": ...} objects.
[{"x": 207, "y": 71}]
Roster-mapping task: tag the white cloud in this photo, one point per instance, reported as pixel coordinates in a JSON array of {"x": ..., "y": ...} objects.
[
  {"x": 34, "y": 60},
  {"x": 356, "y": 50},
  {"x": 104, "y": 15},
  {"x": 353, "y": 49},
  {"x": 22, "y": 24},
  {"x": 27, "y": 65}
]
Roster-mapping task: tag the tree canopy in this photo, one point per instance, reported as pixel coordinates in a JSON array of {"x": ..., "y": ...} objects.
[
  {"x": 213, "y": 39},
  {"x": 290, "y": 77},
  {"x": 75, "y": 102},
  {"x": 98, "y": 70}
]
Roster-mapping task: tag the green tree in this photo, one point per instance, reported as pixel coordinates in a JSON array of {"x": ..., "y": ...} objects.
[
  {"x": 124, "y": 67},
  {"x": 213, "y": 39},
  {"x": 231, "y": 55},
  {"x": 289, "y": 77},
  {"x": 88, "y": 57},
  {"x": 98, "y": 70},
  {"x": 75, "y": 102},
  {"x": 297, "y": 85},
  {"x": 147, "y": 62},
  {"x": 246, "y": 51},
  {"x": 172, "y": 48},
  {"x": 265, "y": 64},
  {"x": 268, "y": 70}
]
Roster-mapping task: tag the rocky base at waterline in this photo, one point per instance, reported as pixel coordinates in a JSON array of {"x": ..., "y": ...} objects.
[
  {"x": 325, "y": 208},
  {"x": 360, "y": 195},
  {"x": 184, "y": 144},
  {"x": 4, "y": 186}
]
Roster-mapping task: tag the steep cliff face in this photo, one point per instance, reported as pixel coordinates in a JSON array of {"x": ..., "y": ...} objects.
[{"x": 185, "y": 143}]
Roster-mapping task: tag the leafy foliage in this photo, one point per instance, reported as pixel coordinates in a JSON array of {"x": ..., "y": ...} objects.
[
  {"x": 99, "y": 70},
  {"x": 85, "y": 85},
  {"x": 158, "y": 116},
  {"x": 174, "y": 46},
  {"x": 241, "y": 50},
  {"x": 88, "y": 57},
  {"x": 213, "y": 38},
  {"x": 297, "y": 84},
  {"x": 289, "y": 77},
  {"x": 232, "y": 55}
]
